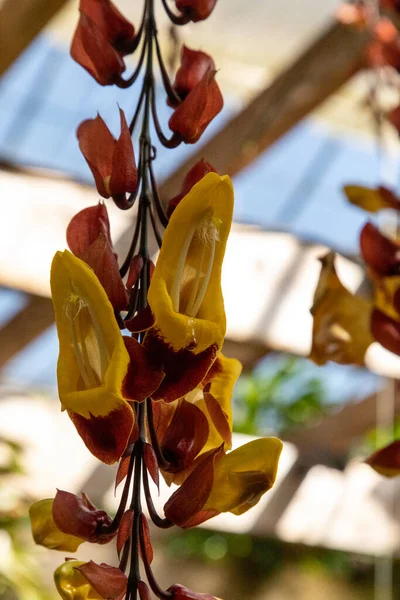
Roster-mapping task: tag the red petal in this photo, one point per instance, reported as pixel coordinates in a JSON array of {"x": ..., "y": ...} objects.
[
  {"x": 200, "y": 107},
  {"x": 106, "y": 437},
  {"x": 379, "y": 252},
  {"x": 386, "y": 331},
  {"x": 142, "y": 321},
  {"x": 78, "y": 516},
  {"x": 97, "y": 146},
  {"x": 189, "y": 499},
  {"x": 148, "y": 548},
  {"x": 144, "y": 373},
  {"x": 185, "y": 436},
  {"x": 180, "y": 592},
  {"x": 387, "y": 460},
  {"x": 124, "y": 176},
  {"x": 197, "y": 10},
  {"x": 194, "y": 65},
  {"x": 196, "y": 173},
  {"x": 144, "y": 592},
  {"x": 108, "y": 19},
  {"x": 124, "y": 530},
  {"x": 101, "y": 258},
  {"x": 122, "y": 472},
  {"x": 135, "y": 269},
  {"x": 219, "y": 418},
  {"x": 108, "y": 581},
  {"x": 86, "y": 226},
  {"x": 91, "y": 49},
  {"x": 150, "y": 460},
  {"x": 184, "y": 370}
]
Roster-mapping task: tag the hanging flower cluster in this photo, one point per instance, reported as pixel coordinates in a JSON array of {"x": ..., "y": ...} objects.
[
  {"x": 158, "y": 397},
  {"x": 346, "y": 324}
]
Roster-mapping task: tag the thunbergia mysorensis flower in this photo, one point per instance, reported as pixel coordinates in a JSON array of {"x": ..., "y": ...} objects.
[
  {"x": 185, "y": 291},
  {"x": 140, "y": 369},
  {"x": 111, "y": 161},
  {"x": 194, "y": 65},
  {"x": 198, "y": 109},
  {"x": 233, "y": 482},
  {"x": 94, "y": 360},
  {"x": 103, "y": 37}
]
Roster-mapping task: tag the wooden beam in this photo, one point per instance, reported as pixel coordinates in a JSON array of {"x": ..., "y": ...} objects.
[
  {"x": 20, "y": 22},
  {"x": 323, "y": 68},
  {"x": 25, "y": 327},
  {"x": 330, "y": 440}
]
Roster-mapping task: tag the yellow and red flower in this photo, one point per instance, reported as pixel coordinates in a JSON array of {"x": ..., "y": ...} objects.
[{"x": 185, "y": 293}]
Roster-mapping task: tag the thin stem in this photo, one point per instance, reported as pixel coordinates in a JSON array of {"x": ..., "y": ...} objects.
[
  {"x": 162, "y": 523},
  {"x": 175, "y": 139},
  {"x": 155, "y": 229},
  {"x": 156, "y": 198},
  {"x": 160, "y": 593},
  {"x": 127, "y": 262},
  {"x": 126, "y": 83},
  {"x": 176, "y": 19},
  {"x": 124, "y": 498},
  {"x": 173, "y": 97},
  {"x": 162, "y": 462}
]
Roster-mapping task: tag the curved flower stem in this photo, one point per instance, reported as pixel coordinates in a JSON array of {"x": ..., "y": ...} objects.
[
  {"x": 162, "y": 462},
  {"x": 126, "y": 83},
  {"x": 162, "y": 523},
  {"x": 176, "y": 19},
  {"x": 160, "y": 593},
  {"x": 175, "y": 140},
  {"x": 126, "y": 264},
  {"x": 156, "y": 199},
  {"x": 157, "y": 234},
  {"x": 171, "y": 93}
]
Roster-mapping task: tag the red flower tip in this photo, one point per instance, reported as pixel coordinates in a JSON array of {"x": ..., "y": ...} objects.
[
  {"x": 103, "y": 36},
  {"x": 109, "y": 582},
  {"x": 180, "y": 592},
  {"x": 111, "y": 161},
  {"x": 194, "y": 65},
  {"x": 79, "y": 517},
  {"x": 199, "y": 108},
  {"x": 197, "y": 172},
  {"x": 196, "y": 10}
]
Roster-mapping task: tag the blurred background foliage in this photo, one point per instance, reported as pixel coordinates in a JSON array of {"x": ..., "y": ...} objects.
[{"x": 19, "y": 570}]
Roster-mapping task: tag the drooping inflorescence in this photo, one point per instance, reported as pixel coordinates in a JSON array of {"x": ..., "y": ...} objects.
[{"x": 158, "y": 399}]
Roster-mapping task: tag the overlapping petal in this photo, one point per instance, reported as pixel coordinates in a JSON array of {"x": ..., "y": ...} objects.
[
  {"x": 341, "y": 327},
  {"x": 196, "y": 10},
  {"x": 46, "y": 533},
  {"x": 185, "y": 291},
  {"x": 93, "y": 361},
  {"x": 233, "y": 482},
  {"x": 71, "y": 584},
  {"x": 199, "y": 108},
  {"x": 194, "y": 65},
  {"x": 111, "y": 161},
  {"x": 103, "y": 36}
]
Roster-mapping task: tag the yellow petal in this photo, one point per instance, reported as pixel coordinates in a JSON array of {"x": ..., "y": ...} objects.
[
  {"x": 227, "y": 371},
  {"x": 185, "y": 291},
  {"x": 71, "y": 584},
  {"x": 371, "y": 200},
  {"x": 46, "y": 533},
  {"x": 93, "y": 360},
  {"x": 244, "y": 475},
  {"x": 385, "y": 291},
  {"x": 341, "y": 328}
]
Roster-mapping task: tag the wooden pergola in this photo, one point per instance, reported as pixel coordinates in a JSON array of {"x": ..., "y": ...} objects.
[{"x": 330, "y": 61}]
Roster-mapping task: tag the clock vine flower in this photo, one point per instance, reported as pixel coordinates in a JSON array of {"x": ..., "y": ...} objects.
[{"x": 140, "y": 370}]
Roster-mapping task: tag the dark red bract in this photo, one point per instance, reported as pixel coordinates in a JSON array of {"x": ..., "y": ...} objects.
[
  {"x": 196, "y": 10},
  {"x": 103, "y": 36}
]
